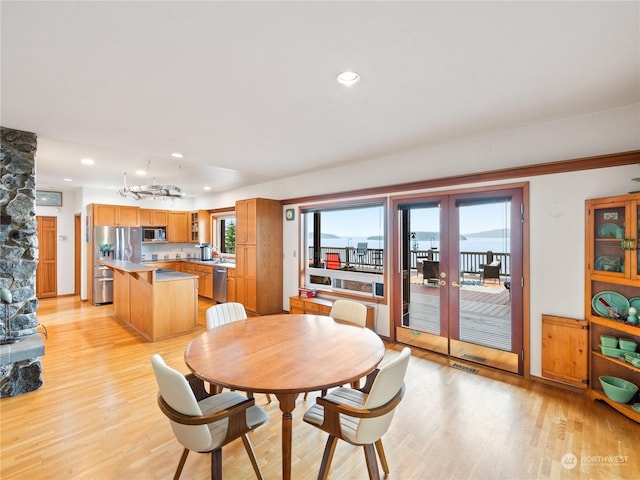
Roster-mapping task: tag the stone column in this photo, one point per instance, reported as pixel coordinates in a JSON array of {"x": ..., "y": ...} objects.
[{"x": 20, "y": 367}]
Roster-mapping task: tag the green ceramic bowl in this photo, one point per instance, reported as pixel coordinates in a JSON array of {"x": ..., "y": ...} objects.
[
  {"x": 617, "y": 389},
  {"x": 609, "y": 341}
]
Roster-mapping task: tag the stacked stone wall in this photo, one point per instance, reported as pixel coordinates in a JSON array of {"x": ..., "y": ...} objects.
[{"x": 18, "y": 256}]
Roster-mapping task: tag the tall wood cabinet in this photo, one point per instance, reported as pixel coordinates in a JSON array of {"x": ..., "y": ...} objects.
[
  {"x": 259, "y": 255},
  {"x": 613, "y": 275}
]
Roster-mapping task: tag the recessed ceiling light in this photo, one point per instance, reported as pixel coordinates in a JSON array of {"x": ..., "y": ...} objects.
[
  {"x": 141, "y": 173},
  {"x": 207, "y": 188},
  {"x": 68, "y": 179},
  {"x": 177, "y": 155},
  {"x": 348, "y": 78},
  {"x": 87, "y": 161}
]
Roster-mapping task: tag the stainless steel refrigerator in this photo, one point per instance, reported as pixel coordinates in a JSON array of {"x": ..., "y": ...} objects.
[{"x": 112, "y": 243}]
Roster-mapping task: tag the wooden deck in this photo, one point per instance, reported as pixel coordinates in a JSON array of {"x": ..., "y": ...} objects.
[{"x": 485, "y": 311}]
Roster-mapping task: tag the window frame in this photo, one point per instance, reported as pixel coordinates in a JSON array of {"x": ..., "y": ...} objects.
[{"x": 377, "y": 280}]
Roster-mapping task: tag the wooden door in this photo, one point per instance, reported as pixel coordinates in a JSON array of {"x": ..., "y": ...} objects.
[
  {"x": 565, "y": 347},
  {"x": 46, "y": 273}
]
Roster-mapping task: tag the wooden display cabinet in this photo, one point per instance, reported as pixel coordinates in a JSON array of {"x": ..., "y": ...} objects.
[
  {"x": 200, "y": 226},
  {"x": 612, "y": 231}
]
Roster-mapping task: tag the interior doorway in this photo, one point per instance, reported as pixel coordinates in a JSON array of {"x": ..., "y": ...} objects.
[{"x": 461, "y": 276}]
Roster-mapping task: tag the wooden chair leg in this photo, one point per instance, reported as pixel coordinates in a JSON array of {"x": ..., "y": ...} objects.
[
  {"x": 252, "y": 456},
  {"x": 382, "y": 456},
  {"x": 372, "y": 462},
  {"x": 305, "y": 395},
  {"x": 327, "y": 456},
  {"x": 216, "y": 464},
  {"x": 183, "y": 459}
]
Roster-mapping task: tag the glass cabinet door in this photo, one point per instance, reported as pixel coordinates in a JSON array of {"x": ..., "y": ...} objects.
[{"x": 614, "y": 229}]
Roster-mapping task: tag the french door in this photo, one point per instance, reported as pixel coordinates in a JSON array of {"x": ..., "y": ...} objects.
[{"x": 460, "y": 276}]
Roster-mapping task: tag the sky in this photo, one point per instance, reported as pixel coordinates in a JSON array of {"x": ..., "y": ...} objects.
[{"x": 369, "y": 222}]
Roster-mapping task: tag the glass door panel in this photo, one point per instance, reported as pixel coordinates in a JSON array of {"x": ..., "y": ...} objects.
[
  {"x": 481, "y": 329},
  {"x": 608, "y": 235}
]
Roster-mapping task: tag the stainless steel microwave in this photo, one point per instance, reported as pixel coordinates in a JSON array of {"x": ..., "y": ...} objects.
[{"x": 154, "y": 234}]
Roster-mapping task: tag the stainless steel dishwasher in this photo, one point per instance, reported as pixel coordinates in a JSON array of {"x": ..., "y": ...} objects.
[{"x": 220, "y": 284}]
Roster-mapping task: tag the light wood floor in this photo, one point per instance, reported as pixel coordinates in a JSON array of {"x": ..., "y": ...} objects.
[{"x": 96, "y": 418}]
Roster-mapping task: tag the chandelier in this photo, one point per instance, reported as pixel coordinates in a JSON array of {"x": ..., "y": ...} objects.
[{"x": 140, "y": 192}]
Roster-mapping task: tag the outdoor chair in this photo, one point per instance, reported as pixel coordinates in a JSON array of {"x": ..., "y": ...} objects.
[
  {"x": 361, "y": 416},
  {"x": 333, "y": 261},
  {"x": 205, "y": 423},
  {"x": 430, "y": 271},
  {"x": 361, "y": 251},
  {"x": 490, "y": 271}
]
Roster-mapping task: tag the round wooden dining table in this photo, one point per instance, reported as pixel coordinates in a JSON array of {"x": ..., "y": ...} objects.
[{"x": 284, "y": 355}]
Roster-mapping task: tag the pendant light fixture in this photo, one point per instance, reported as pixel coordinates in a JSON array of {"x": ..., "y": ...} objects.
[{"x": 140, "y": 192}]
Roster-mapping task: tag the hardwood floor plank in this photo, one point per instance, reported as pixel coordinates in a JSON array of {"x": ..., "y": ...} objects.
[{"x": 96, "y": 418}]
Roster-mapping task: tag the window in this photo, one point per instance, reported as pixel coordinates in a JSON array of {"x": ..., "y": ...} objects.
[
  {"x": 345, "y": 248},
  {"x": 226, "y": 234}
]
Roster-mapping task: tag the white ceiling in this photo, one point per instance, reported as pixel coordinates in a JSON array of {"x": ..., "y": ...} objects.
[{"x": 247, "y": 91}]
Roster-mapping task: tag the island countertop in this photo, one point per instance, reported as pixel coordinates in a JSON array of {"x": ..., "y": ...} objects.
[
  {"x": 161, "y": 274},
  {"x": 156, "y": 302}
]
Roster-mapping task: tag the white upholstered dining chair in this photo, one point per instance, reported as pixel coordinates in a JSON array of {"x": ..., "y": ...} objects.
[
  {"x": 350, "y": 312},
  {"x": 361, "y": 416},
  {"x": 228, "y": 312},
  {"x": 205, "y": 423}
]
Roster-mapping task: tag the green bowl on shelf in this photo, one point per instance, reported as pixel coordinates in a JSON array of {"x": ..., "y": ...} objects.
[{"x": 617, "y": 389}]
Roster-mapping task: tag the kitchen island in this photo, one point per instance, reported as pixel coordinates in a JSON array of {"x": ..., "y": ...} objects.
[{"x": 157, "y": 303}]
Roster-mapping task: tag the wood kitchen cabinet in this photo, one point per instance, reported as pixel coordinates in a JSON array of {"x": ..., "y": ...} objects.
[
  {"x": 259, "y": 255},
  {"x": 178, "y": 227},
  {"x": 322, "y": 306},
  {"x": 231, "y": 284},
  {"x": 200, "y": 227},
  {"x": 118, "y": 215},
  {"x": 612, "y": 285},
  {"x": 153, "y": 218},
  {"x": 205, "y": 277}
]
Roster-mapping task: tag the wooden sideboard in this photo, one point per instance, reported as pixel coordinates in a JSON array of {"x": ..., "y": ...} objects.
[{"x": 322, "y": 306}]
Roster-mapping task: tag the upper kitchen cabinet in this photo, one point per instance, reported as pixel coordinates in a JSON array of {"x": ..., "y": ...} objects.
[
  {"x": 612, "y": 240},
  {"x": 258, "y": 274},
  {"x": 153, "y": 218},
  {"x": 200, "y": 227},
  {"x": 178, "y": 226},
  {"x": 118, "y": 215}
]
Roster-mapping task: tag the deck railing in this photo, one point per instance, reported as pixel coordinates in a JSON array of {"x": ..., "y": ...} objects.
[{"x": 372, "y": 259}]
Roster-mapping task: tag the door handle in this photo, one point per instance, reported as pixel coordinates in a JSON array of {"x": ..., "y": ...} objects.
[
  {"x": 455, "y": 284},
  {"x": 443, "y": 283}
]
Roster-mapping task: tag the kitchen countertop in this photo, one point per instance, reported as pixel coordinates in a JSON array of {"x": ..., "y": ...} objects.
[
  {"x": 194, "y": 260},
  {"x": 162, "y": 274}
]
